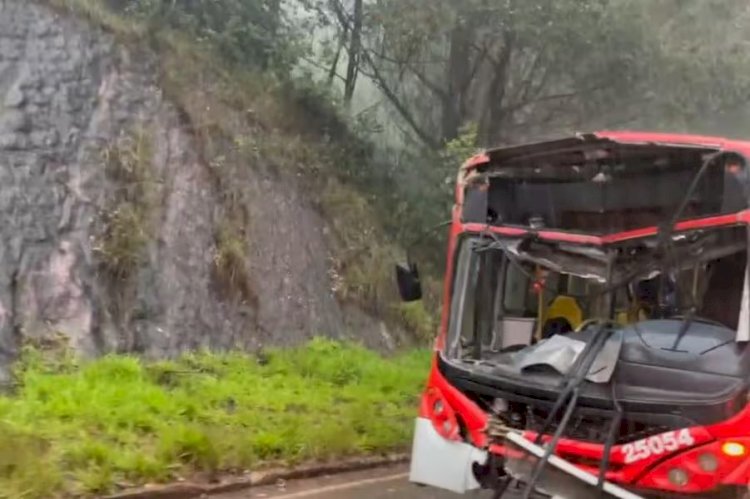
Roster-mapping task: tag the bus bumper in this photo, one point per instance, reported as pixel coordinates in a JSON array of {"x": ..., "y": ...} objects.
[{"x": 442, "y": 463}]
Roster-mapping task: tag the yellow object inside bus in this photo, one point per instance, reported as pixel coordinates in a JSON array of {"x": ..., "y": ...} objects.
[{"x": 565, "y": 307}]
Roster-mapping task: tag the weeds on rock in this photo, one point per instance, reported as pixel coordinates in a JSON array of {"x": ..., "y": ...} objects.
[
  {"x": 127, "y": 228},
  {"x": 230, "y": 269}
]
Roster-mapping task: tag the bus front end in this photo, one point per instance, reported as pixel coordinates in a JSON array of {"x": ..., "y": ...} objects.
[{"x": 595, "y": 322}]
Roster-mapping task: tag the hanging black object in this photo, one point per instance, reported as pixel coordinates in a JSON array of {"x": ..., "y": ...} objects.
[
  {"x": 409, "y": 284},
  {"x": 407, "y": 275}
]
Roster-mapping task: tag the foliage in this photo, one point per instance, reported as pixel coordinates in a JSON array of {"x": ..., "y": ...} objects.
[
  {"x": 120, "y": 420},
  {"x": 456, "y": 75},
  {"x": 127, "y": 164},
  {"x": 418, "y": 319},
  {"x": 361, "y": 270},
  {"x": 245, "y": 32},
  {"x": 459, "y": 149},
  {"x": 120, "y": 248},
  {"x": 25, "y": 465},
  {"x": 230, "y": 264},
  {"x": 701, "y": 72},
  {"x": 532, "y": 68}
]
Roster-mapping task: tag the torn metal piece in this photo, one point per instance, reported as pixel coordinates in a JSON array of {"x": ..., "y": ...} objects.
[
  {"x": 566, "y": 467},
  {"x": 560, "y": 353}
]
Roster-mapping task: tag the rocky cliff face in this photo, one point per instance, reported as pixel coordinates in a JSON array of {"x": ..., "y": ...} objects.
[{"x": 93, "y": 154}]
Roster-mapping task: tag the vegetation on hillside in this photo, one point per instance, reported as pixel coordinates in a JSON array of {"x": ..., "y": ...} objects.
[
  {"x": 436, "y": 80},
  {"x": 92, "y": 427},
  {"x": 250, "y": 111}
]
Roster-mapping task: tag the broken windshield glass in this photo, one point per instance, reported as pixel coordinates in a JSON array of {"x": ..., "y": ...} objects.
[{"x": 516, "y": 292}]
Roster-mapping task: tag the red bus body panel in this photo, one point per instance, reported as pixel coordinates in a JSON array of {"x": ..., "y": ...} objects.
[{"x": 650, "y": 473}]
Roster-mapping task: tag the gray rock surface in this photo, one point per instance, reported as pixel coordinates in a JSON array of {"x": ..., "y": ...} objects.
[{"x": 68, "y": 91}]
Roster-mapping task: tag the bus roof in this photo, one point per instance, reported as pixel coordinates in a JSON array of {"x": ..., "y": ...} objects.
[{"x": 585, "y": 141}]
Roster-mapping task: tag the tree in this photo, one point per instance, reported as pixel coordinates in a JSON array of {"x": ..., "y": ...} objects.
[
  {"x": 527, "y": 68},
  {"x": 348, "y": 22},
  {"x": 355, "y": 49}
]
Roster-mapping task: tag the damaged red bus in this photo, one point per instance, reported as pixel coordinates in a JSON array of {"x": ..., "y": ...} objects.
[{"x": 595, "y": 324}]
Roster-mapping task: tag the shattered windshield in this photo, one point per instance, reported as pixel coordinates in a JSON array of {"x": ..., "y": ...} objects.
[{"x": 513, "y": 293}]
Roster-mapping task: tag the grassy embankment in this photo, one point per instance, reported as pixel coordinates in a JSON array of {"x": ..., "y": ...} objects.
[{"x": 90, "y": 428}]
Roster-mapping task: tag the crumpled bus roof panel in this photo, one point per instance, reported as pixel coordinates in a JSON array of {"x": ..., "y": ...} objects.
[{"x": 583, "y": 144}]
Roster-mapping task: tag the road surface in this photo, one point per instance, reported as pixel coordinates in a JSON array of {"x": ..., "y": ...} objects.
[{"x": 387, "y": 483}]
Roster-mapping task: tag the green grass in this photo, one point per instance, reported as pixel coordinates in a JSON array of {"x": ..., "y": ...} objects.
[{"x": 89, "y": 428}]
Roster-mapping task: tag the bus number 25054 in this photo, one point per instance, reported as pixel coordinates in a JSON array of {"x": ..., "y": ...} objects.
[{"x": 657, "y": 445}]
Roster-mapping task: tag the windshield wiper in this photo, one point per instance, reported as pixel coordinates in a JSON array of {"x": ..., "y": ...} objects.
[{"x": 664, "y": 239}]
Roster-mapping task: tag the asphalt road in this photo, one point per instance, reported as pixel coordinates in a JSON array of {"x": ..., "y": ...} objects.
[
  {"x": 387, "y": 483},
  {"x": 384, "y": 483}
]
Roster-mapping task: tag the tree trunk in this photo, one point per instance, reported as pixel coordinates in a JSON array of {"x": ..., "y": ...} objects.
[
  {"x": 355, "y": 49},
  {"x": 457, "y": 75},
  {"x": 491, "y": 123}
]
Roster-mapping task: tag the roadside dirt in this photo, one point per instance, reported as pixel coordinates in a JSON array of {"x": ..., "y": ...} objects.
[
  {"x": 271, "y": 477},
  {"x": 390, "y": 482}
]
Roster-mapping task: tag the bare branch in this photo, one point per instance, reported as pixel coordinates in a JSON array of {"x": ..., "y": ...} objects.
[
  {"x": 434, "y": 87},
  {"x": 318, "y": 65},
  {"x": 393, "y": 60},
  {"x": 411, "y": 66},
  {"x": 519, "y": 105},
  {"x": 481, "y": 57},
  {"x": 528, "y": 79},
  {"x": 394, "y": 99},
  {"x": 340, "y": 13},
  {"x": 343, "y": 35}
]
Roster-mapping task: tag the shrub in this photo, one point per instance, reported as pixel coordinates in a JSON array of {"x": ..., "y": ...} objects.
[{"x": 251, "y": 33}]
